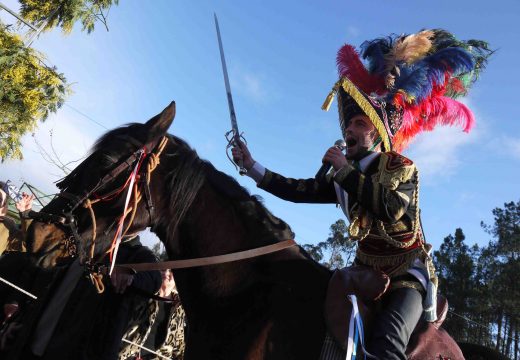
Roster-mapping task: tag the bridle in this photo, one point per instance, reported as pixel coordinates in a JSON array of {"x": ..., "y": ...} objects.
[
  {"x": 143, "y": 163},
  {"x": 137, "y": 185}
]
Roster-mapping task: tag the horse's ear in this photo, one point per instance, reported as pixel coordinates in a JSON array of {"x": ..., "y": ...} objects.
[{"x": 159, "y": 124}]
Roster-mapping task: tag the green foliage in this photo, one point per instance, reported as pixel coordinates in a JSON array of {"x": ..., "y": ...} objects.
[
  {"x": 338, "y": 247},
  {"x": 455, "y": 268},
  {"x": 29, "y": 92},
  {"x": 481, "y": 284},
  {"x": 65, "y": 13},
  {"x": 506, "y": 231}
]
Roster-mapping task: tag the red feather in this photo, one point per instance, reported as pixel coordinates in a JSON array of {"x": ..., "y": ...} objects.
[
  {"x": 434, "y": 111},
  {"x": 350, "y": 66}
]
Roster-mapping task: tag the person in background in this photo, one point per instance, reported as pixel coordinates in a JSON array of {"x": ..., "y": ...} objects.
[
  {"x": 74, "y": 321},
  {"x": 158, "y": 326},
  {"x": 12, "y": 236},
  {"x": 12, "y": 249}
]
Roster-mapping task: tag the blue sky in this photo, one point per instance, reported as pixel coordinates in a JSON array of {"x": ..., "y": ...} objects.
[{"x": 281, "y": 63}]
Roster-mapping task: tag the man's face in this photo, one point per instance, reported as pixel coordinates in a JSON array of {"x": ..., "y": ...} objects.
[
  {"x": 167, "y": 280},
  {"x": 360, "y": 135}
]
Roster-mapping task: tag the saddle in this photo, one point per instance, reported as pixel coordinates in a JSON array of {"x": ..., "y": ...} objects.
[{"x": 428, "y": 340}]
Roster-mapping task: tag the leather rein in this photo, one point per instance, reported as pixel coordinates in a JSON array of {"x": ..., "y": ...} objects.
[
  {"x": 211, "y": 260},
  {"x": 95, "y": 269}
]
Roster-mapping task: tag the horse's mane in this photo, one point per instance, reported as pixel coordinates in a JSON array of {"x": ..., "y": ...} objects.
[
  {"x": 104, "y": 154},
  {"x": 187, "y": 175},
  {"x": 192, "y": 172}
]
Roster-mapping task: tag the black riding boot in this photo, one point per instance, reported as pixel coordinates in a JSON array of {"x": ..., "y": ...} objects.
[{"x": 401, "y": 310}]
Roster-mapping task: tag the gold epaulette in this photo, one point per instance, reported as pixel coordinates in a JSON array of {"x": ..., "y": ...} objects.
[{"x": 394, "y": 169}]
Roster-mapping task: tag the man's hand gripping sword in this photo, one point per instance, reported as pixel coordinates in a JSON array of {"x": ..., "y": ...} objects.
[{"x": 233, "y": 135}]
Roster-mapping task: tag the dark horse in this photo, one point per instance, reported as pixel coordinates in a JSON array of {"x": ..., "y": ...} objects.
[{"x": 269, "y": 307}]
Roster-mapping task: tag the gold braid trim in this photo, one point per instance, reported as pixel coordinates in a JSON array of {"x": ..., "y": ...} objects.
[
  {"x": 367, "y": 108},
  {"x": 415, "y": 224},
  {"x": 392, "y": 178},
  {"x": 378, "y": 261},
  {"x": 406, "y": 284},
  {"x": 358, "y": 234},
  {"x": 355, "y": 230}
]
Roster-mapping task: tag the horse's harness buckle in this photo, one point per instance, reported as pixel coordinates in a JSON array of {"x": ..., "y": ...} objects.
[
  {"x": 71, "y": 246},
  {"x": 97, "y": 268}
]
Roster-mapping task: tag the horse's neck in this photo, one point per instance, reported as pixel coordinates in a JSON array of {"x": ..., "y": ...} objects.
[
  {"x": 214, "y": 226},
  {"x": 230, "y": 306}
]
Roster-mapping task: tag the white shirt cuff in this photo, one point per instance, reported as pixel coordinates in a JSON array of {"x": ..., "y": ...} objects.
[{"x": 256, "y": 172}]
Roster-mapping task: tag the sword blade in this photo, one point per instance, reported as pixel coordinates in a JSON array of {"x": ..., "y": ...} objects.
[{"x": 232, "y": 114}]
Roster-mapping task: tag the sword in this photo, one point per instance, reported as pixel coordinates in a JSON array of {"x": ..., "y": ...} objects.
[{"x": 233, "y": 135}]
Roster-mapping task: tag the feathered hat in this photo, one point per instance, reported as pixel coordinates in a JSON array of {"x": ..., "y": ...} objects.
[{"x": 410, "y": 83}]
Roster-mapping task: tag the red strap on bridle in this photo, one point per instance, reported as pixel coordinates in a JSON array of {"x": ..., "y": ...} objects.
[{"x": 119, "y": 232}]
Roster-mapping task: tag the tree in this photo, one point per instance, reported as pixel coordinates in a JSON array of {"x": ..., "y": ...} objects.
[
  {"x": 338, "y": 246},
  {"x": 65, "y": 13},
  {"x": 29, "y": 92},
  {"x": 483, "y": 303},
  {"x": 29, "y": 89},
  {"x": 50, "y": 155},
  {"x": 455, "y": 268},
  {"x": 481, "y": 284},
  {"x": 506, "y": 250}
]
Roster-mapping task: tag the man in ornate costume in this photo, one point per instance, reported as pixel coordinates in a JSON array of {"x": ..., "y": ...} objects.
[
  {"x": 409, "y": 87},
  {"x": 157, "y": 325}
]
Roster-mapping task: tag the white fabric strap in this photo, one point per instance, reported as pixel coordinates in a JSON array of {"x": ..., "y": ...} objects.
[
  {"x": 122, "y": 221},
  {"x": 351, "y": 328},
  {"x": 355, "y": 332},
  {"x": 420, "y": 272}
]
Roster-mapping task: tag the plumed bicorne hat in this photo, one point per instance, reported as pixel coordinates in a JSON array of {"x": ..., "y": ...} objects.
[{"x": 410, "y": 83}]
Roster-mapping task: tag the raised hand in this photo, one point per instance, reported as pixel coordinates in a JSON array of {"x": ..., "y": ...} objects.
[
  {"x": 241, "y": 152},
  {"x": 26, "y": 203}
]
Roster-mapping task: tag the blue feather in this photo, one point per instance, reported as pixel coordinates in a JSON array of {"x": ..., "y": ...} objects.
[
  {"x": 455, "y": 60},
  {"x": 414, "y": 80},
  {"x": 418, "y": 79},
  {"x": 375, "y": 51}
]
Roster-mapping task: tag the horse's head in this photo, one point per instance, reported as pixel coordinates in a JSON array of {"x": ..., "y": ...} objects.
[{"x": 94, "y": 195}]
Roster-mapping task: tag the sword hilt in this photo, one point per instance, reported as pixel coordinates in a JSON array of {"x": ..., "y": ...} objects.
[{"x": 232, "y": 137}]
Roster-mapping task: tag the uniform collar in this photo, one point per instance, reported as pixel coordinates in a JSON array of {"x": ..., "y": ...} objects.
[{"x": 367, "y": 160}]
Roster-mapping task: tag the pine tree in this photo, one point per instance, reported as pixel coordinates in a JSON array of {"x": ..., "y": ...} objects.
[
  {"x": 506, "y": 250},
  {"x": 455, "y": 269}
]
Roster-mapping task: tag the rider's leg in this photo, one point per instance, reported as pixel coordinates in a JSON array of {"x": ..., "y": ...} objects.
[{"x": 401, "y": 310}]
